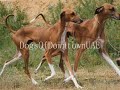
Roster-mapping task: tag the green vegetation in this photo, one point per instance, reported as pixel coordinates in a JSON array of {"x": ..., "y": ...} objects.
[{"x": 84, "y": 9}]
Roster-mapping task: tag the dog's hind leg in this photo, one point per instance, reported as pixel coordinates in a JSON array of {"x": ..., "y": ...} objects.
[
  {"x": 61, "y": 65},
  {"x": 55, "y": 53},
  {"x": 40, "y": 64},
  {"x": 16, "y": 57},
  {"x": 25, "y": 55}
]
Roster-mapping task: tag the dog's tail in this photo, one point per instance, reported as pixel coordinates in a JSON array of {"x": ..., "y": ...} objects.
[
  {"x": 8, "y": 26},
  {"x": 42, "y": 17}
]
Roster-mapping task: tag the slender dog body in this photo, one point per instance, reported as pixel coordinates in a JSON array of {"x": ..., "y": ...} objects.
[
  {"x": 89, "y": 31},
  {"x": 95, "y": 32},
  {"x": 26, "y": 35}
]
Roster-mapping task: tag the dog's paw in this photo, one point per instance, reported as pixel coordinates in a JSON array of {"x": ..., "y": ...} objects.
[
  {"x": 78, "y": 86},
  {"x": 34, "y": 82},
  {"x": 67, "y": 79}
]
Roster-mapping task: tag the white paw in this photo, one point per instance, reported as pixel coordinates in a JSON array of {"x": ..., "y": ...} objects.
[
  {"x": 34, "y": 82},
  {"x": 49, "y": 77},
  {"x": 67, "y": 79},
  {"x": 78, "y": 86}
]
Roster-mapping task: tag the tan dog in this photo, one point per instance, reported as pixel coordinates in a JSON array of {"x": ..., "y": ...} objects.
[
  {"x": 26, "y": 35},
  {"x": 89, "y": 31}
]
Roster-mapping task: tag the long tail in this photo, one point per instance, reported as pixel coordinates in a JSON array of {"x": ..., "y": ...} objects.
[
  {"x": 41, "y": 16},
  {"x": 8, "y": 26}
]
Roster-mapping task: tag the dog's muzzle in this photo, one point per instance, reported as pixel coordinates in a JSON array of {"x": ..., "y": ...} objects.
[
  {"x": 78, "y": 21},
  {"x": 115, "y": 16}
]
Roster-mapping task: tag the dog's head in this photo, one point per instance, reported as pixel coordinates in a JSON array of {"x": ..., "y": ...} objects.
[
  {"x": 70, "y": 16},
  {"x": 108, "y": 11}
]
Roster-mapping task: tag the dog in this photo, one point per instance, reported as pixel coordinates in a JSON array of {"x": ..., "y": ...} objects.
[
  {"x": 90, "y": 30},
  {"x": 26, "y": 35}
]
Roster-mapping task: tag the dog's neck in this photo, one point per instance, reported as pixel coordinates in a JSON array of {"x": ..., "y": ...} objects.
[
  {"x": 99, "y": 25},
  {"x": 99, "y": 19},
  {"x": 63, "y": 24}
]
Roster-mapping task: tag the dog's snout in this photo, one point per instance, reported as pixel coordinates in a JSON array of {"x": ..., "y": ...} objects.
[
  {"x": 116, "y": 16},
  {"x": 77, "y": 20}
]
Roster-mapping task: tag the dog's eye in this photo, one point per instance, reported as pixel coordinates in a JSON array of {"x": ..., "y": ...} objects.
[
  {"x": 73, "y": 14},
  {"x": 112, "y": 9}
]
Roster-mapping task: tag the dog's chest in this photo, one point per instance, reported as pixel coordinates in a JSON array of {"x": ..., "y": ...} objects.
[{"x": 62, "y": 41}]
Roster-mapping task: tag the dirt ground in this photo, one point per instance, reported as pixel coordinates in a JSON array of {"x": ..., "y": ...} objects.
[
  {"x": 97, "y": 78},
  {"x": 33, "y": 7}
]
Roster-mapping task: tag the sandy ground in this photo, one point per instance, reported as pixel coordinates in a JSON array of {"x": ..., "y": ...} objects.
[{"x": 33, "y": 7}]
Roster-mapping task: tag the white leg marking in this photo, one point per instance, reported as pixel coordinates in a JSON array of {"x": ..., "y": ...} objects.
[
  {"x": 67, "y": 79},
  {"x": 52, "y": 72},
  {"x": 36, "y": 70},
  {"x": 33, "y": 81},
  {"x": 10, "y": 62},
  {"x": 74, "y": 81},
  {"x": 107, "y": 58},
  {"x": 66, "y": 74}
]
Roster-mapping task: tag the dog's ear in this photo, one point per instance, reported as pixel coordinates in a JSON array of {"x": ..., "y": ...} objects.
[
  {"x": 98, "y": 10},
  {"x": 62, "y": 15}
]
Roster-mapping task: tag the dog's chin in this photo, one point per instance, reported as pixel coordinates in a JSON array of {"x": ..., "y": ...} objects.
[{"x": 114, "y": 17}]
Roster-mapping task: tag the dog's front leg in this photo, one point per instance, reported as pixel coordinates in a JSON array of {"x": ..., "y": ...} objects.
[
  {"x": 67, "y": 63},
  {"x": 40, "y": 64},
  {"x": 48, "y": 58},
  {"x": 105, "y": 55}
]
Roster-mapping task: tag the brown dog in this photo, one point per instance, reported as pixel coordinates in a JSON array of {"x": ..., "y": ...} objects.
[
  {"x": 89, "y": 31},
  {"x": 26, "y": 35}
]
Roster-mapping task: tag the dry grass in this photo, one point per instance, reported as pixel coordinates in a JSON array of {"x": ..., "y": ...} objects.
[{"x": 100, "y": 78}]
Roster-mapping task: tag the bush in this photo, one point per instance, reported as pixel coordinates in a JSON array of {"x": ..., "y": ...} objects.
[{"x": 7, "y": 48}]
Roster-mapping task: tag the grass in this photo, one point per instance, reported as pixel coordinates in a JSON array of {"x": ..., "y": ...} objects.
[
  {"x": 83, "y": 9},
  {"x": 93, "y": 72}
]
